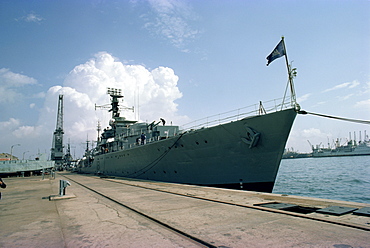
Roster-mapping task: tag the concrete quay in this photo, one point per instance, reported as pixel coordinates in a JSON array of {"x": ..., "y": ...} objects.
[{"x": 84, "y": 219}]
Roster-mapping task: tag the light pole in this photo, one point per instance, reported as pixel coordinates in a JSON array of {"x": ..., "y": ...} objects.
[
  {"x": 11, "y": 150},
  {"x": 23, "y": 154}
]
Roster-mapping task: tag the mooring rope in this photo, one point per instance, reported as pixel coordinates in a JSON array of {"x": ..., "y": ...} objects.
[{"x": 334, "y": 117}]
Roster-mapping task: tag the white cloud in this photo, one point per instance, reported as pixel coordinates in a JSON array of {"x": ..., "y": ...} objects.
[
  {"x": 11, "y": 83},
  {"x": 11, "y": 79},
  {"x": 154, "y": 90},
  {"x": 353, "y": 84},
  {"x": 27, "y": 131},
  {"x": 303, "y": 98},
  {"x": 8, "y": 95},
  {"x": 39, "y": 95},
  {"x": 365, "y": 104},
  {"x": 366, "y": 88},
  {"x": 346, "y": 97},
  {"x": 32, "y": 18},
  {"x": 172, "y": 21},
  {"x": 11, "y": 124},
  {"x": 312, "y": 132},
  {"x": 321, "y": 103},
  {"x": 348, "y": 85}
]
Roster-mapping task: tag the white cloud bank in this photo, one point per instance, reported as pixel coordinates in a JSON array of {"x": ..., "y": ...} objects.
[
  {"x": 152, "y": 93},
  {"x": 10, "y": 82}
]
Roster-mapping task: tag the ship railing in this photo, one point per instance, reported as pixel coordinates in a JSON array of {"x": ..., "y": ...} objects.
[{"x": 238, "y": 114}]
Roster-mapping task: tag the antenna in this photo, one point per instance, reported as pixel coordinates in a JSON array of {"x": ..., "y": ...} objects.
[
  {"x": 98, "y": 129},
  {"x": 115, "y": 108}
]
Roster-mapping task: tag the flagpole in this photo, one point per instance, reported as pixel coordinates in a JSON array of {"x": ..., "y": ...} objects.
[{"x": 292, "y": 91}]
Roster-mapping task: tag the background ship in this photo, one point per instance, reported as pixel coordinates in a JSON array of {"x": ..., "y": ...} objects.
[
  {"x": 25, "y": 166},
  {"x": 244, "y": 153},
  {"x": 351, "y": 148},
  {"x": 291, "y": 153}
]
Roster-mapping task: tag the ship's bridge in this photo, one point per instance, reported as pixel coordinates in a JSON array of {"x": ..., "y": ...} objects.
[{"x": 128, "y": 134}]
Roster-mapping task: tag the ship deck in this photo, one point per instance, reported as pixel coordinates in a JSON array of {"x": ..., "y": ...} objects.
[{"x": 119, "y": 212}]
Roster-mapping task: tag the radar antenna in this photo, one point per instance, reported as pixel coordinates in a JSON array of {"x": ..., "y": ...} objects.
[{"x": 115, "y": 94}]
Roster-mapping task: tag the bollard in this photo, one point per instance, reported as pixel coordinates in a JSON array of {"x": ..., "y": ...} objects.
[{"x": 62, "y": 187}]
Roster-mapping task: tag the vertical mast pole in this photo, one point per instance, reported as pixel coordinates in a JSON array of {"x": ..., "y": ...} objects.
[{"x": 292, "y": 90}]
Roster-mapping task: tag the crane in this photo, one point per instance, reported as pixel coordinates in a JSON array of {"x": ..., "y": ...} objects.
[{"x": 57, "y": 146}]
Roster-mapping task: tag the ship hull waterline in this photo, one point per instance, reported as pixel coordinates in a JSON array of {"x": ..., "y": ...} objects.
[{"x": 217, "y": 156}]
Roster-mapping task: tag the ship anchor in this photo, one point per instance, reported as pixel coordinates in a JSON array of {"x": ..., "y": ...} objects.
[{"x": 252, "y": 137}]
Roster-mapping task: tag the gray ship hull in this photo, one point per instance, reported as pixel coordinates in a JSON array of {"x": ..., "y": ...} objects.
[
  {"x": 221, "y": 156},
  {"x": 18, "y": 166}
]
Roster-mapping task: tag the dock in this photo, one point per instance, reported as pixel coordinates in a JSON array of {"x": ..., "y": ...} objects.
[{"x": 120, "y": 212}]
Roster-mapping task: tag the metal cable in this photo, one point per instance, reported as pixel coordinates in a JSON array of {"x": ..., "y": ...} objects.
[{"x": 335, "y": 117}]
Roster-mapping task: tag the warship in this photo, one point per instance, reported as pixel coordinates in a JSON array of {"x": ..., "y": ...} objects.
[{"x": 241, "y": 151}]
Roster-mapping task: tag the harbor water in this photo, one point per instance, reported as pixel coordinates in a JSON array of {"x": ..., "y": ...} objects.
[{"x": 336, "y": 178}]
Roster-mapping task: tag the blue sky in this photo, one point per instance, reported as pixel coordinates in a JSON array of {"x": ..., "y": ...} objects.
[{"x": 184, "y": 60}]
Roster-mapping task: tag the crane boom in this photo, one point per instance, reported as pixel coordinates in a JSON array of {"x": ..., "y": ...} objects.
[{"x": 57, "y": 146}]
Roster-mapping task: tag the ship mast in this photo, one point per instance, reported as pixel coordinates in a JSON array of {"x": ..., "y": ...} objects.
[
  {"x": 98, "y": 129},
  {"x": 115, "y": 108},
  {"x": 115, "y": 94},
  {"x": 279, "y": 51},
  {"x": 292, "y": 72}
]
